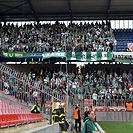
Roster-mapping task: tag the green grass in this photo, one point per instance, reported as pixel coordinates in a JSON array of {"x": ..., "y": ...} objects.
[{"x": 117, "y": 127}]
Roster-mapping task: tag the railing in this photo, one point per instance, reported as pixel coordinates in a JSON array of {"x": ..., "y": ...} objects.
[
  {"x": 23, "y": 90},
  {"x": 115, "y": 102}
]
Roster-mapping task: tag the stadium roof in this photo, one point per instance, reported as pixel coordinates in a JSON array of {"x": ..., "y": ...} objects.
[{"x": 47, "y": 10}]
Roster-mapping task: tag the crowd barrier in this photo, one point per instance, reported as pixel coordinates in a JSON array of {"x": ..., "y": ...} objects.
[
  {"x": 112, "y": 115},
  {"x": 105, "y": 102}
]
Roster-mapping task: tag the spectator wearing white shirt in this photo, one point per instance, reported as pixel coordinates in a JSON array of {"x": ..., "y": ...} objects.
[
  {"x": 94, "y": 97},
  {"x": 34, "y": 95}
]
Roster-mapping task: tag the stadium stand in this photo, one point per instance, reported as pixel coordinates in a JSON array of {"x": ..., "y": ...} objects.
[
  {"x": 96, "y": 86},
  {"x": 55, "y": 37},
  {"x": 105, "y": 89},
  {"x": 123, "y": 37},
  {"x": 14, "y": 84},
  {"x": 13, "y": 115}
]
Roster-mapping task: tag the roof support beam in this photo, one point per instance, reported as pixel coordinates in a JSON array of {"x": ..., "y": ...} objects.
[
  {"x": 69, "y": 9},
  {"x": 66, "y": 13},
  {"x": 32, "y": 10},
  {"x": 108, "y": 10},
  {"x": 12, "y": 8}
]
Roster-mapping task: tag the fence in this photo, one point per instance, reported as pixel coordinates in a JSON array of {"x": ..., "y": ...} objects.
[
  {"x": 104, "y": 102},
  {"x": 121, "y": 116}
]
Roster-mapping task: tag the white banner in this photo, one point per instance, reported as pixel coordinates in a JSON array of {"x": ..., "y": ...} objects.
[
  {"x": 125, "y": 57},
  {"x": 53, "y": 54}
]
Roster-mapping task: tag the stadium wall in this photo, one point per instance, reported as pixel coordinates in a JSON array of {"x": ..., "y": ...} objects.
[
  {"x": 90, "y": 67},
  {"x": 27, "y": 67}
]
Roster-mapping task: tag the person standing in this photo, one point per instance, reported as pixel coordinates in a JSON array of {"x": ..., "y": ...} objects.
[
  {"x": 86, "y": 112},
  {"x": 59, "y": 116},
  {"x": 129, "y": 105},
  {"x": 77, "y": 118},
  {"x": 94, "y": 97},
  {"x": 89, "y": 124},
  {"x": 90, "y": 108},
  {"x": 79, "y": 94}
]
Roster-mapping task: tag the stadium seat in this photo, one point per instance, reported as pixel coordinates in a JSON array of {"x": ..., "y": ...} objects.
[
  {"x": 4, "y": 120},
  {"x": 12, "y": 114}
]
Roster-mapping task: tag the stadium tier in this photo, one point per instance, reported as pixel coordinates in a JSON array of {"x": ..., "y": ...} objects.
[
  {"x": 123, "y": 37},
  {"x": 13, "y": 115}
]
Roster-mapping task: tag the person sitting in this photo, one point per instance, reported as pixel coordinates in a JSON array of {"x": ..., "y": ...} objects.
[{"x": 35, "y": 108}]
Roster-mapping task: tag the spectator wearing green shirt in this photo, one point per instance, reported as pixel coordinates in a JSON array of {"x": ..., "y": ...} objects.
[
  {"x": 108, "y": 98},
  {"x": 79, "y": 94},
  {"x": 89, "y": 124}
]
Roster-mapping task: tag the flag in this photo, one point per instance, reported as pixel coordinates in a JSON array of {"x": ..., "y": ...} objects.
[{"x": 89, "y": 56}]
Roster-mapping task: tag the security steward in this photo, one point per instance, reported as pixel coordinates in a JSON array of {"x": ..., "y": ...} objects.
[
  {"x": 35, "y": 108},
  {"x": 129, "y": 105},
  {"x": 59, "y": 116},
  {"x": 77, "y": 118}
]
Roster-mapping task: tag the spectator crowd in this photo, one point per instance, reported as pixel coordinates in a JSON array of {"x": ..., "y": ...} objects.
[
  {"x": 56, "y": 37},
  {"x": 105, "y": 88}
]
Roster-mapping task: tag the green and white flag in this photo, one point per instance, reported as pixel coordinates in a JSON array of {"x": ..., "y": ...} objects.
[
  {"x": 89, "y": 56},
  {"x": 83, "y": 56},
  {"x": 77, "y": 56}
]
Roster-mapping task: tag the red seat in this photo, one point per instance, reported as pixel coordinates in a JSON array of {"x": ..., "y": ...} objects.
[
  {"x": 12, "y": 114},
  {"x": 15, "y": 118},
  {"x": 0, "y": 111},
  {"x": 4, "y": 121},
  {"x": 10, "y": 119},
  {"x": 20, "y": 118},
  {"x": 32, "y": 118}
]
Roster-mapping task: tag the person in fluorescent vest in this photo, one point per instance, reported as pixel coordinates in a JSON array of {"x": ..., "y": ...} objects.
[
  {"x": 77, "y": 118},
  {"x": 35, "y": 108},
  {"x": 59, "y": 116},
  {"x": 129, "y": 105}
]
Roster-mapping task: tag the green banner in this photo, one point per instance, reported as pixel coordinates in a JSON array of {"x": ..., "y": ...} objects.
[
  {"x": 77, "y": 56},
  {"x": 124, "y": 57},
  {"x": 13, "y": 54},
  {"x": 44, "y": 55},
  {"x": 89, "y": 56}
]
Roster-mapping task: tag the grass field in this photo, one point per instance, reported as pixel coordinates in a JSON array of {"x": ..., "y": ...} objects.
[{"x": 117, "y": 127}]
